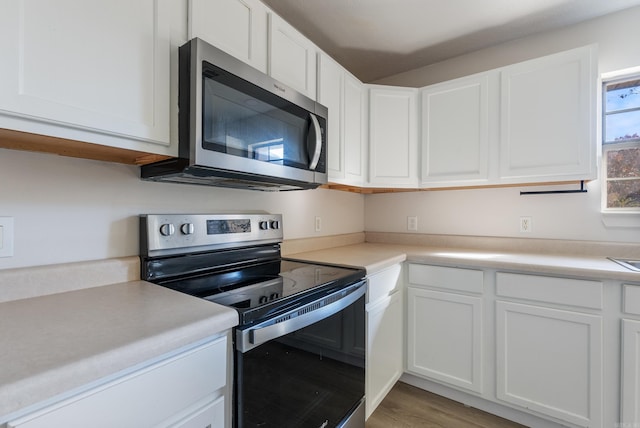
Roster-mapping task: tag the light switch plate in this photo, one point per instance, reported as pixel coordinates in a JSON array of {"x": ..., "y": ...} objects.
[{"x": 6, "y": 236}]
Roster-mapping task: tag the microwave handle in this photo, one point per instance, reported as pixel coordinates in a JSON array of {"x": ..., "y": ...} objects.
[{"x": 314, "y": 142}]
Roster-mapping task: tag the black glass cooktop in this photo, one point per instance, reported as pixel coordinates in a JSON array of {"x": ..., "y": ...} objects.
[{"x": 259, "y": 291}]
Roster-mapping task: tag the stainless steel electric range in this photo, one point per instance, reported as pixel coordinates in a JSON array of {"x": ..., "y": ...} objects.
[{"x": 299, "y": 350}]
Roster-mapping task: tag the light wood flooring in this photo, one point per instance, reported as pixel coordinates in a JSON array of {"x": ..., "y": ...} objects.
[{"x": 407, "y": 407}]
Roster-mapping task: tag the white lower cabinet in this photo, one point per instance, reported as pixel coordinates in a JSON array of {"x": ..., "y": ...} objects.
[
  {"x": 630, "y": 402},
  {"x": 550, "y": 361},
  {"x": 187, "y": 390},
  {"x": 452, "y": 355},
  {"x": 527, "y": 347},
  {"x": 385, "y": 343},
  {"x": 444, "y": 325},
  {"x": 630, "y": 372}
]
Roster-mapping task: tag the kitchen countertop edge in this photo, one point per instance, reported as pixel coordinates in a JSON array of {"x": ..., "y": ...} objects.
[
  {"x": 145, "y": 331},
  {"x": 374, "y": 257}
]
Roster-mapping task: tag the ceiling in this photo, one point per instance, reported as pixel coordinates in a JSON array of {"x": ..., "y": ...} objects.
[{"x": 379, "y": 38}]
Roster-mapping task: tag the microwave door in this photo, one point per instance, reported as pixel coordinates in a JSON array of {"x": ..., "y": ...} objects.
[{"x": 269, "y": 137}]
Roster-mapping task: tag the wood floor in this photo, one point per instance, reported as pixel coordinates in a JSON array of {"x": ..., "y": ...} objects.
[{"x": 407, "y": 407}]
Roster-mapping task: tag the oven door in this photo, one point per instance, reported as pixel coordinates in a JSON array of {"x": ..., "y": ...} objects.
[{"x": 305, "y": 368}]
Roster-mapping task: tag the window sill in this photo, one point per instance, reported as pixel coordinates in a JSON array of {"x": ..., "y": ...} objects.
[{"x": 621, "y": 219}]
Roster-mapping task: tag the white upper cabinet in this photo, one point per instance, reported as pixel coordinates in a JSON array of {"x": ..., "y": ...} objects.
[
  {"x": 354, "y": 130},
  {"x": 531, "y": 122},
  {"x": 455, "y": 137},
  {"x": 238, "y": 27},
  {"x": 89, "y": 70},
  {"x": 393, "y": 136},
  {"x": 343, "y": 95},
  {"x": 548, "y": 118},
  {"x": 330, "y": 83},
  {"x": 292, "y": 57}
]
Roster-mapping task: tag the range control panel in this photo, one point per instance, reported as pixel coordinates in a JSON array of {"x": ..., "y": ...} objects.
[{"x": 174, "y": 233}]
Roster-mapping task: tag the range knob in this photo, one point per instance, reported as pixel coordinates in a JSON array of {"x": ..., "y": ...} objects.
[
  {"x": 187, "y": 229},
  {"x": 275, "y": 224},
  {"x": 167, "y": 229},
  {"x": 263, "y": 225}
]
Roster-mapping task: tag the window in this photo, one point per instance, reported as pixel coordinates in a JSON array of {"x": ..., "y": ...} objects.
[{"x": 621, "y": 144}]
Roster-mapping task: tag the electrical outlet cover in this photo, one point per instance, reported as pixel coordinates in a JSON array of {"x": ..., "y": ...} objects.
[{"x": 6, "y": 236}]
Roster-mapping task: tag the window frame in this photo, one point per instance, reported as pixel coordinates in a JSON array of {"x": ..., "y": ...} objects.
[{"x": 608, "y": 79}]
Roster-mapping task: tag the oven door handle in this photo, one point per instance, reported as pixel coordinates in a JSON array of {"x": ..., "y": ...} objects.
[{"x": 281, "y": 326}]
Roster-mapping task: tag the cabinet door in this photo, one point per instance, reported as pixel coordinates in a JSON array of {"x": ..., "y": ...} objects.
[
  {"x": 548, "y": 118},
  {"x": 384, "y": 349},
  {"x": 455, "y": 137},
  {"x": 393, "y": 137},
  {"x": 353, "y": 126},
  {"x": 630, "y": 402},
  {"x": 147, "y": 397},
  {"x": 88, "y": 70},
  {"x": 238, "y": 27},
  {"x": 292, "y": 57},
  {"x": 330, "y": 79},
  {"x": 444, "y": 335},
  {"x": 550, "y": 361}
]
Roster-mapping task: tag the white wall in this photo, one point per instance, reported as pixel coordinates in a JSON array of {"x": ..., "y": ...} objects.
[
  {"x": 68, "y": 210},
  {"x": 496, "y": 212},
  {"x": 617, "y": 36}
]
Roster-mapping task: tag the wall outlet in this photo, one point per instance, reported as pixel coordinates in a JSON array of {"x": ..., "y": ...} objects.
[
  {"x": 318, "y": 224},
  {"x": 6, "y": 236},
  {"x": 525, "y": 224},
  {"x": 412, "y": 223}
]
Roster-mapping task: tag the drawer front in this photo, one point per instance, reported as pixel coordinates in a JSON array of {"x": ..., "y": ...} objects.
[
  {"x": 563, "y": 291},
  {"x": 449, "y": 278},
  {"x": 632, "y": 299},
  {"x": 210, "y": 416},
  {"x": 383, "y": 283},
  {"x": 143, "y": 398}
]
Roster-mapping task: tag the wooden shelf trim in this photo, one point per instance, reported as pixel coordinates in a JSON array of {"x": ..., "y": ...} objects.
[{"x": 17, "y": 140}]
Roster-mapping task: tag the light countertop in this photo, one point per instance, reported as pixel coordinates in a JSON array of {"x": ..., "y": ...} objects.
[
  {"x": 377, "y": 256},
  {"x": 56, "y": 343}
]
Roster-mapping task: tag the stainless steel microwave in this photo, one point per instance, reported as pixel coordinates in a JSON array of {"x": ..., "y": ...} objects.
[{"x": 240, "y": 128}]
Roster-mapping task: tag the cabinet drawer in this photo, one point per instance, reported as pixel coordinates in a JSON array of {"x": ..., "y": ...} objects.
[
  {"x": 144, "y": 398},
  {"x": 466, "y": 280},
  {"x": 211, "y": 415},
  {"x": 383, "y": 283},
  {"x": 632, "y": 299},
  {"x": 563, "y": 291}
]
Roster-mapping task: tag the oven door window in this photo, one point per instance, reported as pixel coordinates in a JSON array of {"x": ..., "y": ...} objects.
[
  {"x": 241, "y": 119},
  {"x": 312, "y": 377}
]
